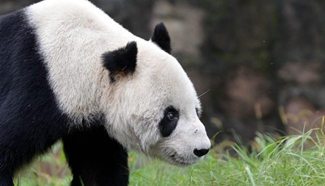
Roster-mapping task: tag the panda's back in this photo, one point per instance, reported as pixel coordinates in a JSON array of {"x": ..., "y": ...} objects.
[
  {"x": 57, "y": 46},
  {"x": 73, "y": 17},
  {"x": 73, "y": 35}
]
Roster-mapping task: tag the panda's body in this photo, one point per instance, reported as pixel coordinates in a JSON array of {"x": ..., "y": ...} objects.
[{"x": 69, "y": 72}]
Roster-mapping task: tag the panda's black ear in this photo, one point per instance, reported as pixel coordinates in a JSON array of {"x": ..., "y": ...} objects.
[
  {"x": 121, "y": 61},
  {"x": 161, "y": 37}
]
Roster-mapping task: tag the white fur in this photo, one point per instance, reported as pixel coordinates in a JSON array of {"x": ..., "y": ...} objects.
[{"x": 73, "y": 34}]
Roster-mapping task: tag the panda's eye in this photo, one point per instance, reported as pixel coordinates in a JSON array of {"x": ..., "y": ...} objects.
[{"x": 171, "y": 115}]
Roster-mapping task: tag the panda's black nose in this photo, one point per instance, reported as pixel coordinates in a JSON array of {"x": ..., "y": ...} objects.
[{"x": 201, "y": 152}]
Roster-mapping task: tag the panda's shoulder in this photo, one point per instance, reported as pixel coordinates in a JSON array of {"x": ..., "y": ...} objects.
[
  {"x": 14, "y": 32},
  {"x": 10, "y": 20}
]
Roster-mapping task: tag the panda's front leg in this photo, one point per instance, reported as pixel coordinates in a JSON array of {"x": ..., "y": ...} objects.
[
  {"x": 95, "y": 158},
  {"x": 5, "y": 180}
]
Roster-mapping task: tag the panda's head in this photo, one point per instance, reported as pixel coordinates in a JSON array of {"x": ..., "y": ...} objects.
[{"x": 151, "y": 103}]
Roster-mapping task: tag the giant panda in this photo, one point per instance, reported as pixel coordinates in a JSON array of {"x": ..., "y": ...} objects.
[{"x": 69, "y": 72}]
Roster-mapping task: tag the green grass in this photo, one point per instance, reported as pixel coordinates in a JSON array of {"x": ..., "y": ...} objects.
[{"x": 294, "y": 160}]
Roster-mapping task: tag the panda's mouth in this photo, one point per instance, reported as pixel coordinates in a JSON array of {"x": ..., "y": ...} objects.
[
  {"x": 180, "y": 160},
  {"x": 172, "y": 156}
]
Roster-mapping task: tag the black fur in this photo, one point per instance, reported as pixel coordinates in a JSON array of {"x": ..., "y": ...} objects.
[
  {"x": 161, "y": 37},
  {"x": 167, "y": 126},
  {"x": 121, "y": 61},
  {"x": 95, "y": 158},
  {"x": 31, "y": 122}
]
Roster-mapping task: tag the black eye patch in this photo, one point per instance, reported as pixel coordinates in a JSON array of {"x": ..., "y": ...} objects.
[{"x": 169, "y": 122}]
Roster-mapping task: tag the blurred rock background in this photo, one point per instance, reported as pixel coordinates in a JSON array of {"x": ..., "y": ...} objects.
[{"x": 257, "y": 65}]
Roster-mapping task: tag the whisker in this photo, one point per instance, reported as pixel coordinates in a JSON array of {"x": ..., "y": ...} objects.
[{"x": 204, "y": 93}]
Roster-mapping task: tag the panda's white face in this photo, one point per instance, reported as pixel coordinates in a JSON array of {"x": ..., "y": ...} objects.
[
  {"x": 184, "y": 139},
  {"x": 160, "y": 108}
]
